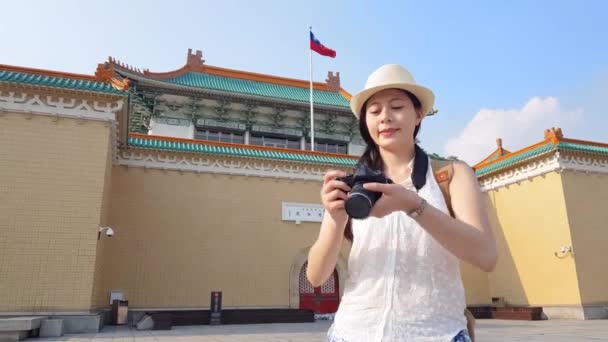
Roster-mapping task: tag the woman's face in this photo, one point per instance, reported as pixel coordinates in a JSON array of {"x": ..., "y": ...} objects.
[{"x": 391, "y": 119}]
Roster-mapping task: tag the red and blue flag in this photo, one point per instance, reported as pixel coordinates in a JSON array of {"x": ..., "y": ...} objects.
[{"x": 319, "y": 48}]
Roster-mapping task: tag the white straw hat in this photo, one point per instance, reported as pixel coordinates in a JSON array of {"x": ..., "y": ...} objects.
[{"x": 392, "y": 76}]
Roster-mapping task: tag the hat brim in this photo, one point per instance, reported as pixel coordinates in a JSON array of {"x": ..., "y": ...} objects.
[{"x": 424, "y": 95}]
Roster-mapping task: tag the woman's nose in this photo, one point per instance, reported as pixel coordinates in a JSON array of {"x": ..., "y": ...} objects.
[{"x": 385, "y": 116}]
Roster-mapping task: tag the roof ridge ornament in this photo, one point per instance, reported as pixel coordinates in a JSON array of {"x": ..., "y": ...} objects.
[
  {"x": 333, "y": 81},
  {"x": 115, "y": 62},
  {"x": 195, "y": 60},
  {"x": 554, "y": 134}
]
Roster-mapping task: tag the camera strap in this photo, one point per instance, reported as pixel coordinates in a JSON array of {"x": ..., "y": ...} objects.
[{"x": 421, "y": 167}]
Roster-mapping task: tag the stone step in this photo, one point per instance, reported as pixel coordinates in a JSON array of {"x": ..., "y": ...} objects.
[
  {"x": 51, "y": 328},
  {"x": 19, "y": 328}
]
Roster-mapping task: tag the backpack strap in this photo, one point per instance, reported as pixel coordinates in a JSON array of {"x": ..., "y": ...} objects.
[
  {"x": 421, "y": 166},
  {"x": 443, "y": 177}
]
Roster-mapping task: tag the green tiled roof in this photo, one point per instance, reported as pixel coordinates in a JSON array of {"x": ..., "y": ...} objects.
[
  {"x": 57, "y": 82},
  {"x": 562, "y": 145},
  {"x": 515, "y": 159},
  {"x": 238, "y": 151},
  {"x": 221, "y": 83}
]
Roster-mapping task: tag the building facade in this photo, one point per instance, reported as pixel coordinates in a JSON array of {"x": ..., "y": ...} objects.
[
  {"x": 547, "y": 203},
  {"x": 206, "y": 177}
]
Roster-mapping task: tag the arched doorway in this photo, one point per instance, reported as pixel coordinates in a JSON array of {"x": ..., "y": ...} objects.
[
  {"x": 295, "y": 274},
  {"x": 323, "y": 299}
]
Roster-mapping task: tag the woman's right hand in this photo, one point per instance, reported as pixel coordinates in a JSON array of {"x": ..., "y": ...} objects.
[{"x": 333, "y": 195}]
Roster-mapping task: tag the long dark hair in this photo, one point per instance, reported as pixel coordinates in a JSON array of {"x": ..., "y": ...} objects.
[{"x": 371, "y": 156}]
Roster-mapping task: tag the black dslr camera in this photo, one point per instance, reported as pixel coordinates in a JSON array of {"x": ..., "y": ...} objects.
[{"x": 360, "y": 200}]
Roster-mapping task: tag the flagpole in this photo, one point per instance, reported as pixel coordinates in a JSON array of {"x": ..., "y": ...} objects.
[{"x": 312, "y": 116}]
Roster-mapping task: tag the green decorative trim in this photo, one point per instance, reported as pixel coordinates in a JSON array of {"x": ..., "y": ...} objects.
[
  {"x": 561, "y": 146},
  {"x": 569, "y": 146},
  {"x": 218, "y": 124},
  {"x": 294, "y": 132},
  {"x": 201, "y": 147},
  {"x": 516, "y": 159},
  {"x": 58, "y": 82},
  {"x": 234, "y": 85}
]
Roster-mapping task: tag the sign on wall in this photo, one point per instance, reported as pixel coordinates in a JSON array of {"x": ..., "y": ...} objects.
[{"x": 302, "y": 212}]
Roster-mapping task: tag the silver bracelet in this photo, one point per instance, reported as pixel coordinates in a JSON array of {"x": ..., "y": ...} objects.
[{"x": 418, "y": 211}]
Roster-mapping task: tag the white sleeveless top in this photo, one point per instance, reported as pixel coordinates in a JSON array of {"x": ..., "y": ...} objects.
[{"x": 402, "y": 285}]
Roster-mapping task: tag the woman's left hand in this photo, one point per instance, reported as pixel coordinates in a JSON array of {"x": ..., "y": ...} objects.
[{"x": 394, "y": 197}]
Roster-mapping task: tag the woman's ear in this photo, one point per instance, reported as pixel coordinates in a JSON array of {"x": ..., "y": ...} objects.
[{"x": 419, "y": 116}]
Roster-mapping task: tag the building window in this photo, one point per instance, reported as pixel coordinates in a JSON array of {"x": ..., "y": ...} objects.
[
  {"x": 331, "y": 147},
  {"x": 262, "y": 140},
  {"x": 228, "y": 137}
]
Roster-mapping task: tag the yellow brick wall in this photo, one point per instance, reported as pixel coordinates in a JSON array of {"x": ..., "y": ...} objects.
[
  {"x": 530, "y": 223},
  {"x": 181, "y": 235},
  {"x": 51, "y": 181},
  {"x": 476, "y": 284},
  {"x": 96, "y": 301},
  {"x": 475, "y": 281},
  {"x": 587, "y": 203}
]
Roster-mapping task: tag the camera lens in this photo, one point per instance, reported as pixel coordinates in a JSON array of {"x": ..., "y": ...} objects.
[
  {"x": 358, "y": 205},
  {"x": 360, "y": 201}
]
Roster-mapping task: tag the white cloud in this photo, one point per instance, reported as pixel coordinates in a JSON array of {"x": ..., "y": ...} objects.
[{"x": 518, "y": 128}]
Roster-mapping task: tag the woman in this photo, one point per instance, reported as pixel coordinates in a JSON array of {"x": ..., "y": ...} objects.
[{"x": 403, "y": 280}]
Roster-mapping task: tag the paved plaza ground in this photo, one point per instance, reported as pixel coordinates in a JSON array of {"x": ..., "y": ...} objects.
[{"x": 487, "y": 331}]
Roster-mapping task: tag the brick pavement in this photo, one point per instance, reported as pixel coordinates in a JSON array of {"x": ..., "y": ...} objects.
[{"x": 487, "y": 331}]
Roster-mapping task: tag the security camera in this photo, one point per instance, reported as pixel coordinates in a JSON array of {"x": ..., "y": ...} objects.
[{"x": 109, "y": 231}]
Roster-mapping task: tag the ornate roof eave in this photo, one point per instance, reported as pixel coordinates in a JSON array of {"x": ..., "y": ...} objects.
[
  {"x": 66, "y": 83},
  {"x": 554, "y": 142},
  {"x": 190, "y": 154},
  {"x": 497, "y": 153},
  {"x": 214, "y": 157},
  {"x": 187, "y": 155},
  {"x": 199, "y": 147},
  {"x": 119, "y": 73},
  {"x": 561, "y": 160},
  {"x": 33, "y": 88},
  {"x": 46, "y": 72},
  {"x": 508, "y": 162},
  {"x": 196, "y": 63},
  {"x": 58, "y": 97},
  {"x": 554, "y": 153},
  {"x": 218, "y": 164},
  {"x": 193, "y": 90},
  {"x": 213, "y": 70}
]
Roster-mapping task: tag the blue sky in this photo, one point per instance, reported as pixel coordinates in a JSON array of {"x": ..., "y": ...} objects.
[{"x": 498, "y": 68}]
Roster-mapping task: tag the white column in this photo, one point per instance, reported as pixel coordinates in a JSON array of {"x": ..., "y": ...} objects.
[{"x": 192, "y": 129}]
